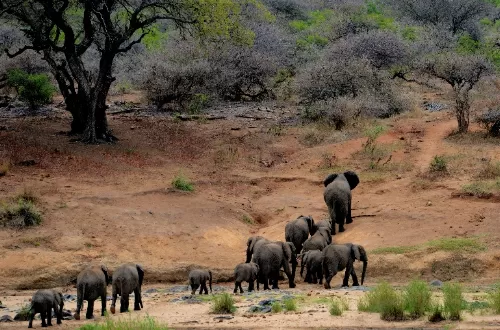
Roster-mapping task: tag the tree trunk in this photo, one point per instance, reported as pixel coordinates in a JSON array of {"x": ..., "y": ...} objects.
[{"x": 462, "y": 110}]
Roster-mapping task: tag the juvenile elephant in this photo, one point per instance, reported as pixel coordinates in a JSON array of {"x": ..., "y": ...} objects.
[
  {"x": 271, "y": 257},
  {"x": 43, "y": 302},
  {"x": 127, "y": 279},
  {"x": 91, "y": 284},
  {"x": 247, "y": 272},
  {"x": 199, "y": 278},
  {"x": 253, "y": 243},
  {"x": 313, "y": 261},
  {"x": 342, "y": 256},
  {"x": 297, "y": 232},
  {"x": 321, "y": 239},
  {"x": 338, "y": 197}
]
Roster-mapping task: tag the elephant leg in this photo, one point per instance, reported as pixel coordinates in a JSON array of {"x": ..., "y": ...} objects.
[
  {"x": 43, "y": 315},
  {"x": 286, "y": 268},
  {"x": 235, "y": 287},
  {"x": 194, "y": 287},
  {"x": 90, "y": 310},
  {"x": 349, "y": 216},
  {"x": 320, "y": 276},
  {"x": 354, "y": 278},
  {"x": 59, "y": 314},
  {"x": 137, "y": 299},
  {"x": 113, "y": 301},
  {"x": 314, "y": 278},
  {"x": 329, "y": 272},
  {"x": 348, "y": 270},
  {"x": 307, "y": 279},
  {"x": 294, "y": 266},
  {"x": 30, "y": 319},
  {"x": 124, "y": 302},
  {"x": 266, "y": 283},
  {"x": 331, "y": 212},
  {"x": 250, "y": 286},
  {"x": 103, "y": 304}
]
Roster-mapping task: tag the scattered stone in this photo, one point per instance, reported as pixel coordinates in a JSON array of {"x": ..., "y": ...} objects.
[
  {"x": 436, "y": 283},
  {"x": 399, "y": 177},
  {"x": 67, "y": 315},
  {"x": 178, "y": 289},
  {"x": 429, "y": 203},
  {"x": 6, "y": 318},
  {"x": 224, "y": 317},
  {"x": 191, "y": 299},
  {"x": 434, "y": 106},
  {"x": 69, "y": 297}
]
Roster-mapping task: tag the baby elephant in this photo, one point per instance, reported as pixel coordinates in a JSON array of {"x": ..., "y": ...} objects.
[
  {"x": 127, "y": 279},
  {"x": 43, "y": 302},
  {"x": 313, "y": 261},
  {"x": 245, "y": 272},
  {"x": 199, "y": 278}
]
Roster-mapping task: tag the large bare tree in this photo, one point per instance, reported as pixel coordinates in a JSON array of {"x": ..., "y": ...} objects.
[{"x": 62, "y": 31}]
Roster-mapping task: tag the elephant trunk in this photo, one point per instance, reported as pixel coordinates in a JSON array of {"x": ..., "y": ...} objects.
[
  {"x": 365, "y": 263},
  {"x": 210, "y": 281}
]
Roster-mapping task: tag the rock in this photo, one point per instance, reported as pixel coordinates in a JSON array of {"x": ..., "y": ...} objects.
[
  {"x": 224, "y": 317},
  {"x": 178, "y": 288},
  {"x": 67, "y": 315},
  {"x": 21, "y": 317},
  {"x": 436, "y": 283},
  {"x": 6, "y": 318},
  {"x": 399, "y": 177},
  {"x": 69, "y": 297},
  {"x": 152, "y": 290},
  {"x": 429, "y": 203}
]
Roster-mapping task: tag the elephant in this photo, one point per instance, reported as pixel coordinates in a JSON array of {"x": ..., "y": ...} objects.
[
  {"x": 321, "y": 239},
  {"x": 253, "y": 243},
  {"x": 338, "y": 197},
  {"x": 313, "y": 261},
  {"x": 127, "y": 279},
  {"x": 247, "y": 272},
  {"x": 199, "y": 278},
  {"x": 338, "y": 257},
  {"x": 297, "y": 232},
  {"x": 43, "y": 302},
  {"x": 271, "y": 257},
  {"x": 91, "y": 284}
]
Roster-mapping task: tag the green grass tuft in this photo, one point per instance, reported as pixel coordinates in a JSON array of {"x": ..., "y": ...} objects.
[
  {"x": 276, "y": 307},
  {"x": 482, "y": 189},
  {"x": 223, "y": 304},
  {"x": 494, "y": 298},
  {"x": 290, "y": 304},
  {"x": 463, "y": 244},
  {"x": 384, "y": 300},
  {"x": 338, "y": 306},
  {"x": 452, "y": 300},
  {"x": 436, "y": 313},
  {"x": 180, "y": 182},
  {"x": 395, "y": 250},
  {"x": 20, "y": 214},
  {"x": 417, "y": 298},
  {"x": 438, "y": 164},
  {"x": 147, "y": 323}
]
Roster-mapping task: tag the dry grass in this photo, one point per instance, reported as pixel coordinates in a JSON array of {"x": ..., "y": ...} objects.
[{"x": 4, "y": 169}]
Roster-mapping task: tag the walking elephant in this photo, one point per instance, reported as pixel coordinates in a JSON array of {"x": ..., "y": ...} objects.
[
  {"x": 127, "y": 279},
  {"x": 43, "y": 301},
  {"x": 321, "y": 239},
  {"x": 253, "y": 243},
  {"x": 247, "y": 272},
  {"x": 271, "y": 257},
  {"x": 91, "y": 284},
  {"x": 313, "y": 261},
  {"x": 342, "y": 256},
  {"x": 199, "y": 278},
  {"x": 297, "y": 232},
  {"x": 338, "y": 197}
]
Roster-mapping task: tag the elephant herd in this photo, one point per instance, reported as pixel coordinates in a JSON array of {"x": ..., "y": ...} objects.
[{"x": 305, "y": 240}]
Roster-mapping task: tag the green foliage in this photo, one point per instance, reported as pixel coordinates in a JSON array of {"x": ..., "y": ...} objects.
[
  {"x": 198, "y": 102},
  {"x": 20, "y": 213},
  {"x": 394, "y": 250},
  {"x": 438, "y": 164},
  {"x": 316, "y": 18},
  {"x": 467, "y": 45},
  {"x": 36, "y": 89},
  {"x": 436, "y": 313},
  {"x": 409, "y": 33},
  {"x": 310, "y": 40},
  {"x": 290, "y": 304},
  {"x": 147, "y": 323},
  {"x": 223, "y": 304},
  {"x": 463, "y": 244},
  {"x": 384, "y": 300},
  {"x": 494, "y": 298},
  {"x": 180, "y": 182},
  {"x": 24, "y": 312},
  {"x": 338, "y": 306},
  {"x": 372, "y": 134},
  {"x": 452, "y": 300},
  {"x": 481, "y": 188},
  {"x": 155, "y": 38},
  {"x": 276, "y": 307},
  {"x": 417, "y": 298}
]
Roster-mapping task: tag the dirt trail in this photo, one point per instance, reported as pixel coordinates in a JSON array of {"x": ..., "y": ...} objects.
[{"x": 432, "y": 144}]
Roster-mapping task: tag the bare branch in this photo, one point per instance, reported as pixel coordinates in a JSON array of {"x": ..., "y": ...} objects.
[{"x": 20, "y": 51}]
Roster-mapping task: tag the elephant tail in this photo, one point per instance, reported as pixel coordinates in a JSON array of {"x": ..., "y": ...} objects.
[
  {"x": 80, "y": 295},
  {"x": 210, "y": 280}
]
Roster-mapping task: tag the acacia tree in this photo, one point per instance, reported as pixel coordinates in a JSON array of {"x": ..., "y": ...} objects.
[
  {"x": 62, "y": 31},
  {"x": 461, "y": 72}
]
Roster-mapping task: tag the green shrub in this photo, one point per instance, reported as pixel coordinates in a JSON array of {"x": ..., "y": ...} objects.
[
  {"x": 276, "y": 307},
  {"x": 180, "y": 182},
  {"x": 417, "y": 298},
  {"x": 223, "y": 304},
  {"x": 384, "y": 300},
  {"x": 22, "y": 213},
  {"x": 36, "y": 89},
  {"x": 452, "y": 300},
  {"x": 372, "y": 134},
  {"x": 290, "y": 304},
  {"x": 338, "y": 306},
  {"x": 481, "y": 188},
  {"x": 197, "y": 103},
  {"x": 24, "y": 313},
  {"x": 147, "y": 323},
  {"x": 494, "y": 298},
  {"x": 438, "y": 164},
  {"x": 436, "y": 313}
]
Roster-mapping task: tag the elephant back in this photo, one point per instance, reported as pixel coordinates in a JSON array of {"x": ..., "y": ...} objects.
[
  {"x": 269, "y": 257},
  {"x": 126, "y": 277}
]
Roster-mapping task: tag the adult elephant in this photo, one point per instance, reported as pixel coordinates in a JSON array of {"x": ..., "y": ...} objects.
[
  {"x": 270, "y": 257},
  {"x": 297, "y": 232},
  {"x": 127, "y": 279},
  {"x": 91, "y": 284},
  {"x": 320, "y": 240},
  {"x": 338, "y": 197},
  {"x": 338, "y": 257},
  {"x": 253, "y": 244}
]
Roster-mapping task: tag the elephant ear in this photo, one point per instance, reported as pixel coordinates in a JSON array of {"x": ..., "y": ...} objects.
[
  {"x": 106, "y": 276},
  {"x": 352, "y": 178},
  {"x": 329, "y": 179},
  {"x": 355, "y": 250},
  {"x": 287, "y": 250},
  {"x": 310, "y": 223},
  {"x": 140, "y": 271},
  {"x": 251, "y": 242}
]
